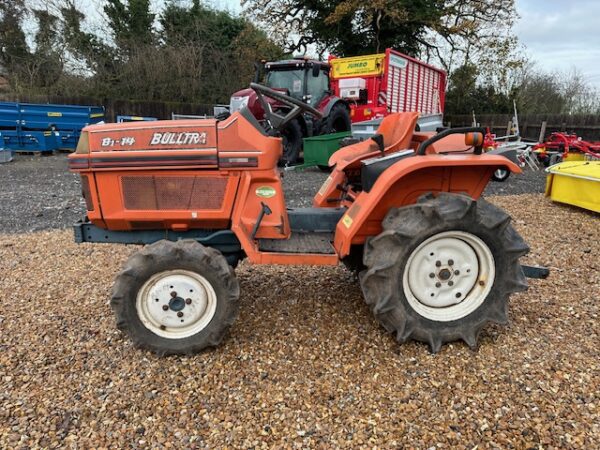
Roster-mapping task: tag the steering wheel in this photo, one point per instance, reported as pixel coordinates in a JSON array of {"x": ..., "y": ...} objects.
[{"x": 275, "y": 120}]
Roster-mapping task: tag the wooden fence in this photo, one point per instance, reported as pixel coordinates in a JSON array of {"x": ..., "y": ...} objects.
[
  {"x": 115, "y": 107},
  {"x": 586, "y": 126}
]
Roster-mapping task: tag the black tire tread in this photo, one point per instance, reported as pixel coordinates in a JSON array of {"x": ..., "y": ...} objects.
[
  {"x": 186, "y": 254},
  {"x": 339, "y": 111},
  {"x": 291, "y": 151},
  {"x": 403, "y": 229}
]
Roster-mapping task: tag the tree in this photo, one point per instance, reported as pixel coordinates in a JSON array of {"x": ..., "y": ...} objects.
[
  {"x": 347, "y": 27},
  {"x": 474, "y": 31},
  {"x": 224, "y": 48},
  {"x": 29, "y": 67},
  {"x": 534, "y": 90},
  {"x": 440, "y": 29},
  {"x": 14, "y": 52},
  {"x": 131, "y": 22},
  {"x": 94, "y": 54},
  {"x": 46, "y": 61},
  {"x": 193, "y": 54},
  {"x": 468, "y": 94}
]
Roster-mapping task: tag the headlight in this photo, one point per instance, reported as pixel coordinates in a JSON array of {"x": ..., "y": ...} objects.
[
  {"x": 237, "y": 103},
  {"x": 83, "y": 145}
]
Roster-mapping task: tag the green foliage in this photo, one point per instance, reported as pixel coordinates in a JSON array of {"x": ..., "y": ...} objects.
[
  {"x": 14, "y": 51},
  {"x": 465, "y": 95},
  {"x": 348, "y": 27},
  {"x": 450, "y": 32},
  {"x": 535, "y": 92},
  {"x": 224, "y": 47},
  {"x": 41, "y": 66},
  {"x": 97, "y": 56},
  {"x": 199, "y": 24},
  {"x": 188, "y": 52},
  {"x": 131, "y": 22}
]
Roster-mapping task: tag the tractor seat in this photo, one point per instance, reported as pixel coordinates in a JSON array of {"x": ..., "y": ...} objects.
[
  {"x": 372, "y": 168},
  {"x": 397, "y": 130}
]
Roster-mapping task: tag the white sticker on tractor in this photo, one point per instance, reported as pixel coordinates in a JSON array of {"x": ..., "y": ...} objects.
[
  {"x": 125, "y": 141},
  {"x": 325, "y": 186},
  {"x": 297, "y": 86},
  {"x": 184, "y": 138},
  {"x": 265, "y": 191}
]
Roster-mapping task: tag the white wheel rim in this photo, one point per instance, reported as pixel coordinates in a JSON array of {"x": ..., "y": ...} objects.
[
  {"x": 500, "y": 173},
  {"x": 463, "y": 272},
  {"x": 176, "y": 304}
]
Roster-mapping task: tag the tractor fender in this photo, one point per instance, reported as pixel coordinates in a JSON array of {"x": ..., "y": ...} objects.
[
  {"x": 330, "y": 103},
  {"x": 404, "y": 182},
  {"x": 510, "y": 154}
]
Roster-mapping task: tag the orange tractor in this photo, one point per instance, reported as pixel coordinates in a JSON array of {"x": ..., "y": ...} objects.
[{"x": 403, "y": 209}]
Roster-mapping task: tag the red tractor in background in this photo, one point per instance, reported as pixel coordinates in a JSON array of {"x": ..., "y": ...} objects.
[
  {"x": 305, "y": 80},
  {"x": 345, "y": 91}
]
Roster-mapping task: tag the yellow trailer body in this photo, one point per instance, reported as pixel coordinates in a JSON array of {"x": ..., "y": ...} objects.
[{"x": 575, "y": 183}]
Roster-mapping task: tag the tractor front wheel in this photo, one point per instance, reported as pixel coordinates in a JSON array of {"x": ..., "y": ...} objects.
[
  {"x": 292, "y": 143},
  {"x": 176, "y": 297},
  {"x": 442, "y": 269},
  {"x": 338, "y": 119}
]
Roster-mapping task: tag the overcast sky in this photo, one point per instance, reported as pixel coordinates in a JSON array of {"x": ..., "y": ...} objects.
[{"x": 561, "y": 34}]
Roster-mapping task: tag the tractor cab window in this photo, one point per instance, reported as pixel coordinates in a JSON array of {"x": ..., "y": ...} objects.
[
  {"x": 316, "y": 87},
  {"x": 292, "y": 80}
]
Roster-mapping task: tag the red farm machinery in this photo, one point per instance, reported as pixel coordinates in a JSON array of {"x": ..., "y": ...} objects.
[{"x": 344, "y": 91}]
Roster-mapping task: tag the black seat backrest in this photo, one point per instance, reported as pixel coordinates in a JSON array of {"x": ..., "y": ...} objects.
[{"x": 372, "y": 168}]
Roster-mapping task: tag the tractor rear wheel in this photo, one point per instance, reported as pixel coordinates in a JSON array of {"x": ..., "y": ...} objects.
[
  {"x": 176, "y": 297},
  {"x": 442, "y": 268}
]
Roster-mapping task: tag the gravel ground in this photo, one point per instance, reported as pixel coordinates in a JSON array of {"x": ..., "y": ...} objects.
[
  {"x": 305, "y": 365},
  {"x": 39, "y": 193}
]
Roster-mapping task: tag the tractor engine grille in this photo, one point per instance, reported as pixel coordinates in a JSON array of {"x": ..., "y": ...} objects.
[{"x": 165, "y": 193}]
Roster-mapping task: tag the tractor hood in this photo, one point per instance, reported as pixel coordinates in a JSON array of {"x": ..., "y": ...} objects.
[
  {"x": 160, "y": 135},
  {"x": 247, "y": 97}
]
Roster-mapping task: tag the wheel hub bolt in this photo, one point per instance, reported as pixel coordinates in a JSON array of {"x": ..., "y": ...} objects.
[
  {"x": 180, "y": 314},
  {"x": 432, "y": 275},
  {"x": 456, "y": 272},
  {"x": 450, "y": 262},
  {"x": 173, "y": 294},
  {"x": 165, "y": 307},
  {"x": 438, "y": 263},
  {"x": 188, "y": 301},
  {"x": 450, "y": 283},
  {"x": 438, "y": 284},
  {"x": 444, "y": 274}
]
